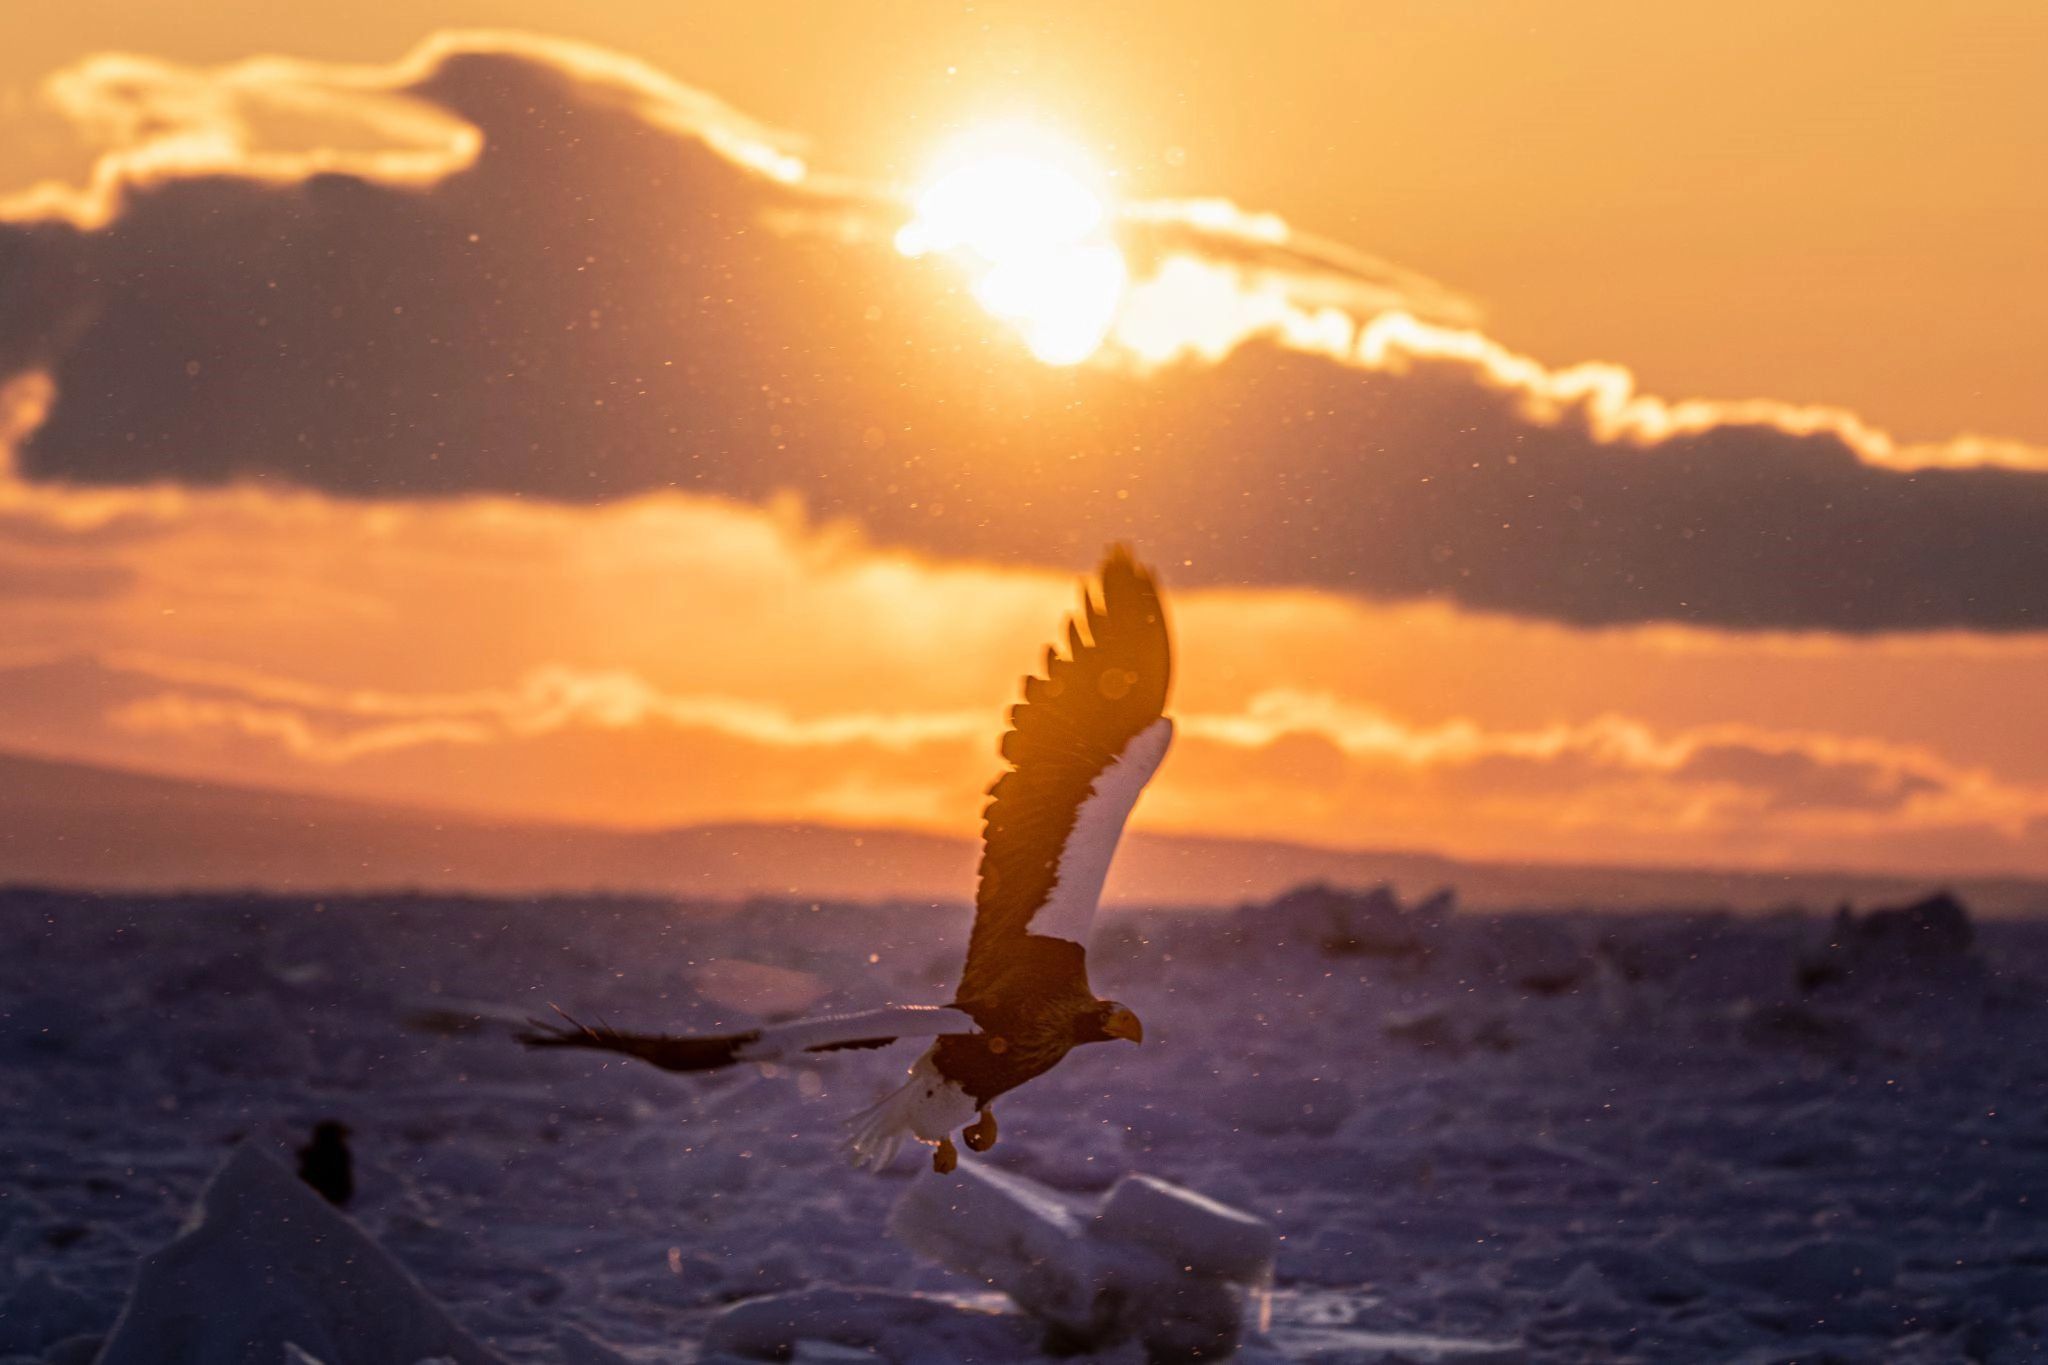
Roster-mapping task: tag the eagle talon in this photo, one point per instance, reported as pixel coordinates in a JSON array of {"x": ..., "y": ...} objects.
[
  {"x": 981, "y": 1134},
  {"x": 946, "y": 1157}
]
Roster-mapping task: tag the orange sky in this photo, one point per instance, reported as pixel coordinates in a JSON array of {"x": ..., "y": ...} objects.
[{"x": 1767, "y": 208}]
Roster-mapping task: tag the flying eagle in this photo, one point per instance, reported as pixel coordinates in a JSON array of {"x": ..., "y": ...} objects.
[{"x": 1081, "y": 746}]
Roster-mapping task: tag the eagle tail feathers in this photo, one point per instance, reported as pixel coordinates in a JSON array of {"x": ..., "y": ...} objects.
[
  {"x": 876, "y": 1133},
  {"x": 926, "y": 1107}
]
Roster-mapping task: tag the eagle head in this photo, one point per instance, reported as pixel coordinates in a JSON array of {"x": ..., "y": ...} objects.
[{"x": 1110, "y": 1020}]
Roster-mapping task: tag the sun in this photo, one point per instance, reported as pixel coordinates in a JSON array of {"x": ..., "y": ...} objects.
[{"x": 1024, "y": 211}]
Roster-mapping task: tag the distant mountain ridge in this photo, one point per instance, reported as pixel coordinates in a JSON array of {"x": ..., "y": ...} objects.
[{"x": 81, "y": 825}]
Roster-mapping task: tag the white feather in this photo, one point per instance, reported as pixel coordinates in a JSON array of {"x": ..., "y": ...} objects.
[
  {"x": 1069, "y": 912},
  {"x": 927, "y": 1107},
  {"x": 895, "y": 1021}
]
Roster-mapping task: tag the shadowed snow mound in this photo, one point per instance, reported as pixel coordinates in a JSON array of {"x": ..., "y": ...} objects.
[
  {"x": 1353, "y": 923},
  {"x": 899, "y": 1326},
  {"x": 266, "y": 1264},
  {"x": 1898, "y": 947}
]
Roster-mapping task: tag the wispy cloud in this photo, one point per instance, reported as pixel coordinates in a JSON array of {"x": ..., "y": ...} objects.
[
  {"x": 1611, "y": 776},
  {"x": 330, "y": 725},
  {"x": 1727, "y": 773}
]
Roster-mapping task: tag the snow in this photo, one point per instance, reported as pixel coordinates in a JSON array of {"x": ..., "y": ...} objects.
[
  {"x": 1151, "y": 1262},
  {"x": 1281, "y": 1104},
  {"x": 1339, "y": 1347},
  {"x": 1188, "y": 1229},
  {"x": 1618, "y": 1137},
  {"x": 899, "y": 1326},
  {"x": 267, "y": 1268},
  {"x": 39, "y": 1309}
]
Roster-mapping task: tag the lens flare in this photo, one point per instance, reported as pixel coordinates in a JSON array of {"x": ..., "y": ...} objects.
[{"x": 1020, "y": 210}]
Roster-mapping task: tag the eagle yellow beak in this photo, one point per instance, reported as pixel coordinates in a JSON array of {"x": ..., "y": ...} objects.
[{"x": 1123, "y": 1024}]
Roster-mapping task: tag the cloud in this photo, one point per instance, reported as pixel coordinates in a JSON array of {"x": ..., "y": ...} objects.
[
  {"x": 331, "y": 725},
  {"x": 1285, "y": 764},
  {"x": 522, "y": 266},
  {"x": 672, "y": 657},
  {"x": 610, "y": 751},
  {"x": 29, "y": 581},
  {"x": 1303, "y": 736},
  {"x": 1728, "y": 775}
]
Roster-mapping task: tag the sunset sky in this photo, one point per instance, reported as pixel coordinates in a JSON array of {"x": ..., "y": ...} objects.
[{"x": 1567, "y": 431}]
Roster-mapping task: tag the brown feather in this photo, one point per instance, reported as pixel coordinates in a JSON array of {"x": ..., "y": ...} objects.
[
  {"x": 1073, "y": 723},
  {"x": 1027, "y": 1022},
  {"x": 668, "y": 1051}
]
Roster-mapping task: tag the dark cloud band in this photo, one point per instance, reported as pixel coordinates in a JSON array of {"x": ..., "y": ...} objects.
[{"x": 607, "y": 299}]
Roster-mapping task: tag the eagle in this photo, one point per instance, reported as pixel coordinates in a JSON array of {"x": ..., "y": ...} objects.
[{"x": 1081, "y": 746}]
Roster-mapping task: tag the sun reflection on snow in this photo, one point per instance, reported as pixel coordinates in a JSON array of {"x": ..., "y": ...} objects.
[{"x": 1018, "y": 207}]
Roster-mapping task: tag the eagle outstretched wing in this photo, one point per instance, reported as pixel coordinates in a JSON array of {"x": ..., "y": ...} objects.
[
  {"x": 771, "y": 1042},
  {"x": 1082, "y": 744}
]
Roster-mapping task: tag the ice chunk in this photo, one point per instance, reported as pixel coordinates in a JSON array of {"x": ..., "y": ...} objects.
[
  {"x": 83, "y": 1349},
  {"x": 295, "y": 1354},
  {"x": 1179, "y": 1316},
  {"x": 1789, "y": 1024},
  {"x": 1158, "y": 1263},
  {"x": 1932, "y": 929},
  {"x": 574, "y": 1346},
  {"x": 899, "y": 1326},
  {"x": 1905, "y": 945},
  {"x": 1663, "y": 1275},
  {"x": 1012, "y": 1234},
  {"x": 1818, "y": 1270},
  {"x": 265, "y": 1263},
  {"x": 1451, "y": 1029},
  {"x": 1430, "y": 1027},
  {"x": 1353, "y": 923},
  {"x": 1587, "y": 1301},
  {"x": 1540, "y": 956},
  {"x": 1355, "y": 1346},
  {"x": 1188, "y": 1229}
]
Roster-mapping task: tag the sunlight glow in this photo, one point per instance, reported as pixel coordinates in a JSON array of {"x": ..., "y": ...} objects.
[{"x": 1020, "y": 209}]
